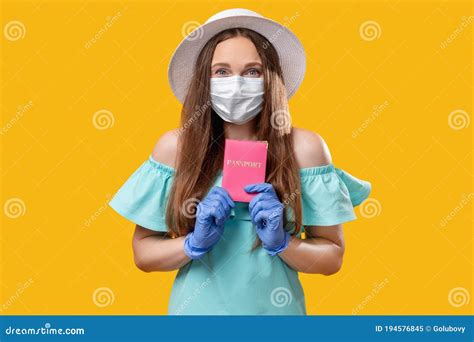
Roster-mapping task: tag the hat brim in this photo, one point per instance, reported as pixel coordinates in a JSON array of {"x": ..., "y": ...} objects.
[{"x": 289, "y": 49}]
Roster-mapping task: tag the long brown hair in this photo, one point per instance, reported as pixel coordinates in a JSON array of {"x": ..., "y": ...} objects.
[{"x": 201, "y": 139}]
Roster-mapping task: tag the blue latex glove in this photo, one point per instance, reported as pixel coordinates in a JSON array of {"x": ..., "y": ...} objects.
[
  {"x": 266, "y": 212},
  {"x": 211, "y": 214}
]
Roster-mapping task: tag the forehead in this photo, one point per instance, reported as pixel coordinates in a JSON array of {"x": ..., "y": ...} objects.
[{"x": 236, "y": 51}]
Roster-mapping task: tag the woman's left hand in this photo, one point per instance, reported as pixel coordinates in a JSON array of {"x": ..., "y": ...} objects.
[{"x": 266, "y": 212}]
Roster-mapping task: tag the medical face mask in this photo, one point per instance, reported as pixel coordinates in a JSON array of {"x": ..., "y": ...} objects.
[{"x": 237, "y": 99}]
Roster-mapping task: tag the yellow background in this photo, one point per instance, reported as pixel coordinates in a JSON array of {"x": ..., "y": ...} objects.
[{"x": 66, "y": 243}]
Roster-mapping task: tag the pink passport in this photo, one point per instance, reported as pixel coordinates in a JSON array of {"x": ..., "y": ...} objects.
[{"x": 244, "y": 163}]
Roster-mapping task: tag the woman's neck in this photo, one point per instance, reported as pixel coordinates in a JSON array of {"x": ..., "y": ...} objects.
[{"x": 246, "y": 131}]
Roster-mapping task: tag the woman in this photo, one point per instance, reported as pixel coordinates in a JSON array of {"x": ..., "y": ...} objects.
[{"x": 234, "y": 76}]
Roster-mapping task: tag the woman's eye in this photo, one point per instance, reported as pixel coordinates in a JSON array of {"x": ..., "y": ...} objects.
[
  {"x": 220, "y": 72},
  {"x": 254, "y": 72}
]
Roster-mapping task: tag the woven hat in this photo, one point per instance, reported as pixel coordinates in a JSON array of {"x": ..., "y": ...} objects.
[{"x": 289, "y": 48}]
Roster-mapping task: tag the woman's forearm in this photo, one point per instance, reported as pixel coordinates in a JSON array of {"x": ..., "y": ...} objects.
[
  {"x": 157, "y": 253},
  {"x": 313, "y": 255}
]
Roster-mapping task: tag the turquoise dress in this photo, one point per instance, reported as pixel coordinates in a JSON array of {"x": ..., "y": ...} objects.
[{"x": 231, "y": 279}]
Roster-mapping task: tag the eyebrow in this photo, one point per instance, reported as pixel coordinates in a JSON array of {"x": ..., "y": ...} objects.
[{"x": 245, "y": 66}]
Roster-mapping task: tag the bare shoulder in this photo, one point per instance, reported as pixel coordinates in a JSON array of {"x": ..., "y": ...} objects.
[
  {"x": 166, "y": 148},
  {"x": 310, "y": 148}
]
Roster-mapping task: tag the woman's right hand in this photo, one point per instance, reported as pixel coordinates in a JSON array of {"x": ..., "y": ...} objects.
[{"x": 211, "y": 215}]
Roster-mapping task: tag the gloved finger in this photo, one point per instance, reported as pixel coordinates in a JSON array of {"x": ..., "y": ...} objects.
[
  {"x": 261, "y": 218},
  {"x": 205, "y": 215},
  {"x": 259, "y": 187},
  {"x": 263, "y": 205},
  {"x": 205, "y": 210},
  {"x": 221, "y": 198},
  {"x": 217, "y": 210},
  {"x": 227, "y": 211},
  {"x": 260, "y": 197},
  {"x": 222, "y": 217},
  {"x": 225, "y": 206},
  {"x": 219, "y": 191},
  {"x": 202, "y": 210},
  {"x": 218, "y": 203},
  {"x": 274, "y": 216},
  {"x": 254, "y": 201},
  {"x": 225, "y": 195}
]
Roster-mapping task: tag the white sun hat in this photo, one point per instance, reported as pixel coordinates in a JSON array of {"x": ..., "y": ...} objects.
[{"x": 289, "y": 48}]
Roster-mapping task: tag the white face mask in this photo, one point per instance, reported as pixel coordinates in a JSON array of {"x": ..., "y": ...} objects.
[{"x": 237, "y": 99}]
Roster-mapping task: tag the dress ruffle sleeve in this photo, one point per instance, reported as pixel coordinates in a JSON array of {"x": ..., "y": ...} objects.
[
  {"x": 142, "y": 199},
  {"x": 329, "y": 195}
]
